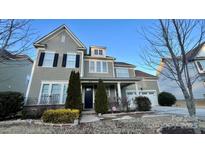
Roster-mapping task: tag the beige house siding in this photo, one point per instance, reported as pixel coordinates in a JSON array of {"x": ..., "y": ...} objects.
[{"x": 58, "y": 73}]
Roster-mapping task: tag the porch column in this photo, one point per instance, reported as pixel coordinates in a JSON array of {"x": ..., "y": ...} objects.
[
  {"x": 136, "y": 87},
  {"x": 119, "y": 90}
]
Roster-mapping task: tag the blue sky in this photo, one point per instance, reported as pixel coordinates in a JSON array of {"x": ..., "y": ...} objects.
[{"x": 121, "y": 37}]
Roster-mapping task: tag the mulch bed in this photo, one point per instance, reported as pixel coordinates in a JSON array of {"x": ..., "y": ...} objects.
[{"x": 179, "y": 130}]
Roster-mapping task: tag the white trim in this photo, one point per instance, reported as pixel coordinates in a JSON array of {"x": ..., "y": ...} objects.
[
  {"x": 48, "y": 51},
  {"x": 98, "y": 55},
  {"x": 71, "y": 53},
  {"x": 82, "y": 64},
  {"x": 200, "y": 71},
  {"x": 122, "y": 76},
  {"x": 119, "y": 90},
  {"x": 123, "y": 67},
  {"x": 69, "y": 33},
  {"x": 95, "y": 58},
  {"x": 115, "y": 89},
  {"x": 113, "y": 69},
  {"x": 31, "y": 78},
  {"x": 93, "y": 95},
  {"x": 62, "y": 83},
  {"x": 101, "y": 65}
]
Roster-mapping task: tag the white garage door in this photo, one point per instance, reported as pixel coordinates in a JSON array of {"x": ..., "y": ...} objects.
[{"x": 151, "y": 94}]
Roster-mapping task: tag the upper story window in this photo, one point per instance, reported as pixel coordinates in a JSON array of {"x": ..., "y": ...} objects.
[
  {"x": 98, "y": 66},
  {"x": 98, "y": 52},
  {"x": 48, "y": 59},
  {"x": 122, "y": 72},
  {"x": 71, "y": 60},
  {"x": 201, "y": 66},
  {"x": 92, "y": 66}
]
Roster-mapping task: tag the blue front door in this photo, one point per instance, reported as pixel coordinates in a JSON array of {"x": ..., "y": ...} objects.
[{"x": 88, "y": 98}]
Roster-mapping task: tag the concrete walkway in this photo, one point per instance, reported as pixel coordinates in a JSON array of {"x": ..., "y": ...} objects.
[{"x": 89, "y": 118}]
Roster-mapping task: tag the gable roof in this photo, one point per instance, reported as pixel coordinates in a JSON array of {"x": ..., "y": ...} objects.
[
  {"x": 117, "y": 63},
  {"x": 192, "y": 53},
  {"x": 8, "y": 56},
  {"x": 70, "y": 33},
  {"x": 139, "y": 73}
]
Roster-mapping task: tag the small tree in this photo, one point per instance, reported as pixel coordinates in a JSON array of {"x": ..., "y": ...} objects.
[
  {"x": 74, "y": 100},
  {"x": 101, "y": 100}
]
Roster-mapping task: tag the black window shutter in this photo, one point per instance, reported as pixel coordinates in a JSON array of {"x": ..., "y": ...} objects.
[
  {"x": 64, "y": 60},
  {"x": 200, "y": 66},
  {"x": 55, "y": 62},
  {"x": 77, "y": 62},
  {"x": 40, "y": 62}
]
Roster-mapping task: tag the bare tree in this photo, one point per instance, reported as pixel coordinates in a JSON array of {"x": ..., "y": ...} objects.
[
  {"x": 168, "y": 42},
  {"x": 15, "y": 37}
]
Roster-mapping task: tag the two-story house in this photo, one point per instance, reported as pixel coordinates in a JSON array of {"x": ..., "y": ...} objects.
[
  {"x": 15, "y": 71},
  {"x": 196, "y": 66},
  {"x": 60, "y": 52}
]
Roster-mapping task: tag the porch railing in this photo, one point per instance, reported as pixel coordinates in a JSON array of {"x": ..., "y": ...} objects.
[{"x": 50, "y": 99}]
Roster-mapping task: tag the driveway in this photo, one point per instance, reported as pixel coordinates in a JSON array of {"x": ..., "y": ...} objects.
[{"x": 177, "y": 111}]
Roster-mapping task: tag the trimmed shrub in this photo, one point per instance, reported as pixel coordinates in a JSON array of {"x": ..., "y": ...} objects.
[
  {"x": 166, "y": 99},
  {"x": 101, "y": 100},
  {"x": 74, "y": 96},
  {"x": 60, "y": 116},
  {"x": 10, "y": 104},
  {"x": 143, "y": 103}
]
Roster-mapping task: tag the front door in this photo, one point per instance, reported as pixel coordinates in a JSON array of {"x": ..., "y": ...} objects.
[{"x": 88, "y": 98}]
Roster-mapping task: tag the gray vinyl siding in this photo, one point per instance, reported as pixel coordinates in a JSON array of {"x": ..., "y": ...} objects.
[
  {"x": 148, "y": 85},
  {"x": 14, "y": 75},
  {"x": 98, "y": 75},
  {"x": 58, "y": 73},
  {"x": 171, "y": 86},
  {"x": 145, "y": 85}
]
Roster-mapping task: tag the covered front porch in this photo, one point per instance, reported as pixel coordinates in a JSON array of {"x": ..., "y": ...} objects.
[{"x": 116, "y": 90}]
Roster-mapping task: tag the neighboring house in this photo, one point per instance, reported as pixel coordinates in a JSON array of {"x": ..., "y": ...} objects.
[
  {"x": 15, "y": 72},
  {"x": 60, "y": 52},
  {"x": 196, "y": 65}
]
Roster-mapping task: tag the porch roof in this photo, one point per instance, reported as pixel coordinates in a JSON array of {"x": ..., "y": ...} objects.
[{"x": 111, "y": 80}]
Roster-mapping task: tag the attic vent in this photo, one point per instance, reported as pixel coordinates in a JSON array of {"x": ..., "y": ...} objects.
[{"x": 63, "y": 38}]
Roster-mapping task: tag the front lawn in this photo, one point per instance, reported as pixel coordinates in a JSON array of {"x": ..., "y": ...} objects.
[{"x": 129, "y": 124}]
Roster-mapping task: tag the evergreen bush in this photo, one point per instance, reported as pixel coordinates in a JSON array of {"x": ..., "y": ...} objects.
[
  {"x": 143, "y": 103},
  {"x": 60, "y": 116},
  {"x": 10, "y": 103},
  {"x": 101, "y": 100},
  {"x": 166, "y": 99},
  {"x": 74, "y": 98}
]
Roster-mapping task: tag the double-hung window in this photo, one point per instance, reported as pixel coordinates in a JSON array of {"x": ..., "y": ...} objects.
[
  {"x": 48, "y": 59},
  {"x": 92, "y": 66},
  {"x": 122, "y": 72},
  {"x": 98, "y": 66},
  {"x": 104, "y": 67},
  {"x": 98, "y": 52},
  {"x": 71, "y": 60}
]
